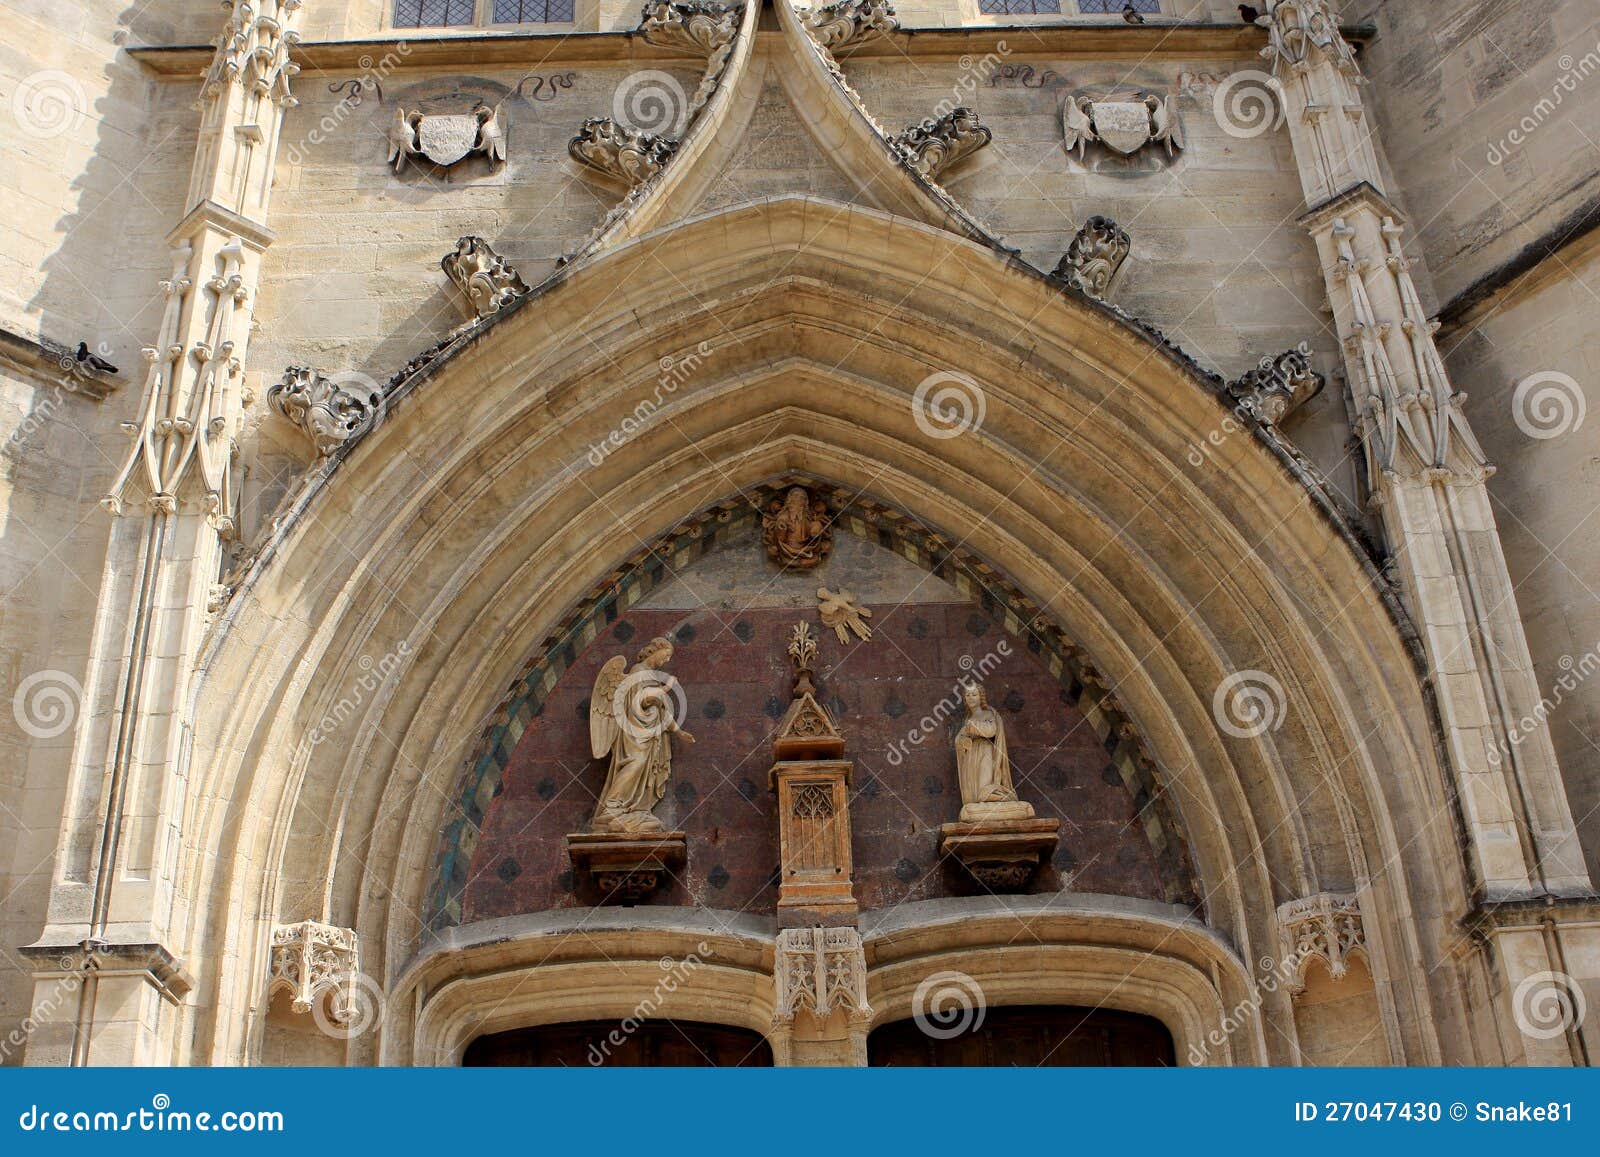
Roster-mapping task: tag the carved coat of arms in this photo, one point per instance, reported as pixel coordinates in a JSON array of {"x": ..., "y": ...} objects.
[
  {"x": 446, "y": 138},
  {"x": 1122, "y": 122}
]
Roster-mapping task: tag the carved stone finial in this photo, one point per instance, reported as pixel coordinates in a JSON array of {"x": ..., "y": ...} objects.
[
  {"x": 1326, "y": 927},
  {"x": 621, "y": 153},
  {"x": 849, "y": 22},
  {"x": 797, "y": 530},
  {"x": 1299, "y": 29},
  {"x": 802, "y": 648},
  {"x": 487, "y": 280},
  {"x": 939, "y": 142},
  {"x": 689, "y": 24},
  {"x": 1277, "y": 385},
  {"x": 310, "y": 960},
  {"x": 1095, "y": 255},
  {"x": 328, "y": 411}
]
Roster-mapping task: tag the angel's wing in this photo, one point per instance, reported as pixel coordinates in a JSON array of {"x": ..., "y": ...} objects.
[
  {"x": 1076, "y": 126},
  {"x": 603, "y": 725}
]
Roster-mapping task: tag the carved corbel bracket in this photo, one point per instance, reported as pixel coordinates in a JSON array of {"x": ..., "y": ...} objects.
[
  {"x": 1095, "y": 256},
  {"x": 330, "y": 411},
  {"x": 1326, "y": 927},
  {"x": 1297, "y": 29},
  {"x": 940, "y": 142},
  {"x": 689, "y": 24},
  {"x": 624, "y": 868},
  {"x": 1001, "y": 854},
  {"x": 487, "y": 281},
  {"x": 819, "y": 971},
  {"x": 310, "y": 960},
  {"x": 1278, "y": 385},
  {"x": 620, "y": 153}
]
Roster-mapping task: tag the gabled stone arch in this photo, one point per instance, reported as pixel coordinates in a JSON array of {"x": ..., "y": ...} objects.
[
  {"x": 458, "y": 522},
  {"x": 865, "y": 517}
]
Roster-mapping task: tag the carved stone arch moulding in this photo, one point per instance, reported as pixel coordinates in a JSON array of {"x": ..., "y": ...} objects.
[{"x": 870, "y": 519}]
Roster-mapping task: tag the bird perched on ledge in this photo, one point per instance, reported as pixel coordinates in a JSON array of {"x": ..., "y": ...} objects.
[
  {"x": 1249, "y": 14},
  {"x": 1131, "y": 14}
]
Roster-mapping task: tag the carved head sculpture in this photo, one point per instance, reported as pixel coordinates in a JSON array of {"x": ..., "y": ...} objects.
[
  {"x": 657, "y": 653},
  {"x": 974, "y": 697}
]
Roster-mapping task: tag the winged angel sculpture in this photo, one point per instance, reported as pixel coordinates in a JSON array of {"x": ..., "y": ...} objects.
[{"x": 633, "y": 715}]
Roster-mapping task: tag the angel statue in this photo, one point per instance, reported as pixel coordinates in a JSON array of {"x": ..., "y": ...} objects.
[
  {"x": 982, "y": 765},
  {"x": 632, "y": 719}
]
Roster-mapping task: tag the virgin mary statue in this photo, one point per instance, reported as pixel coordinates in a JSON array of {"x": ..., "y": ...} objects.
[{"x": 982, "y": 765}]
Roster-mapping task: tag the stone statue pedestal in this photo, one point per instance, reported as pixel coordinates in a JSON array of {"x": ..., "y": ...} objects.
[
  {"x": 1001, "y": 854},
  {"x": 625, "y": 867}
]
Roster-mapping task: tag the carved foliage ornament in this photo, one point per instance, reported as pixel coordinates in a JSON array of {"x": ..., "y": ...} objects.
[
  {"x": 1095, "y": 255},
  {"x": 1326, "y": 927},
  {"x": 1277, "y": 385},
  {"x": 254, "y": 49},
  {"x": 849, "y": 22},
  {"x": 694, "y": 26},
  {"x": 486, "y": 279},
  {"x": 310, "y": 960},
  {"x": 1122, "y": 122},
  {"x": 446, "y": 138},
  {"x": 819, "y": 970},
  {"x": 621, "y": 153},
  {"x": 328, "y": 411},
  {"x": 939, "y": 142}
]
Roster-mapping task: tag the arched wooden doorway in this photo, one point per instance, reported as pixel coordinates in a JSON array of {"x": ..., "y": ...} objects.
[
  {"x": 605, "y": 1043},
  {"x": 1049, "y": 1036}
]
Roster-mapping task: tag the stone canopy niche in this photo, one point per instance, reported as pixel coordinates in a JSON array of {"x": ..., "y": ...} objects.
[{"x": 730, "y": 611}]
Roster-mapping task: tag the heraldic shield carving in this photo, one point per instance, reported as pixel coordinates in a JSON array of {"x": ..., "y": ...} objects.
[{"x": 447, "y": 138}]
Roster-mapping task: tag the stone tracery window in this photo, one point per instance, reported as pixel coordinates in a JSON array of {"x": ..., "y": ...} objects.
[
  {"x": 533, "y": 11},
  {"x": 1019, "y": 7},
  {"x": 464, "y": 13}
]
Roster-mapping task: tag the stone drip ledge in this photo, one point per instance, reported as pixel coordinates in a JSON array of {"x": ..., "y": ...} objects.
[{"x": 1076, "y": 38}]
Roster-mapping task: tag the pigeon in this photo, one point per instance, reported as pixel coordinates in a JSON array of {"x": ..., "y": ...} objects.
[
  {"x": 1248, "y": 14},
  {"x": 98, "y": 364},
  {"x": 1131, "y": 14}
]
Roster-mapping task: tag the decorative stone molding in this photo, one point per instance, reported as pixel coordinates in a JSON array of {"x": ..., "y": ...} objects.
[
  {"x": 940, "y": 142},
  {"x": 1326, "y": 927},
  {"x": 819, "y": 970},
  {"x": 328, "y": 412},
  {"x": 1095, "y": 256},
  {"x": 626, "y": 867},
  {"x": 486, "y": 279},
  {"x": 1277, "y": 386},
  {"x": 848, "y": 22},
  {"x": 310, "y": 960},
  {"x": 621, "y": 153},
  {"x": 1123, "y": 122}
]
